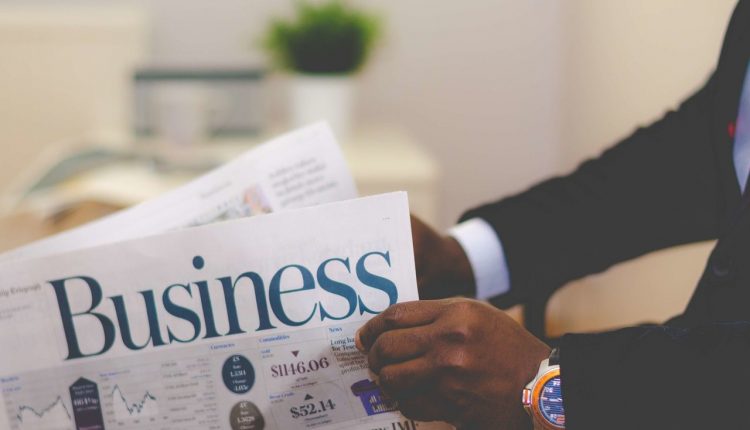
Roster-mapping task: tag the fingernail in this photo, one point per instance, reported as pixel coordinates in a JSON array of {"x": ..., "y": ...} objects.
[{"x": 358, "y": 342}]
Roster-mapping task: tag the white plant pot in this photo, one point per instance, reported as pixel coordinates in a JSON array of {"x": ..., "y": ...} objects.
[{"x": 327, "y": 98}]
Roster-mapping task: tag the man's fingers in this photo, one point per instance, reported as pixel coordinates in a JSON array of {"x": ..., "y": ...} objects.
[
  {"x": 397, "y": 346},
  {"x": 426, "y": 407},
  {"x": 400, "y": 315},
  {"x": 406, "y": 380}
]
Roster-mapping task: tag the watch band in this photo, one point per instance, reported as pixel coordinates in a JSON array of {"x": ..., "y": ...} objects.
[{"x": 554, "y": 357}]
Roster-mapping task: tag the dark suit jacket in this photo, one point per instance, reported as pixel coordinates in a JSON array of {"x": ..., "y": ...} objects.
[{"x": 667, "y": 184}]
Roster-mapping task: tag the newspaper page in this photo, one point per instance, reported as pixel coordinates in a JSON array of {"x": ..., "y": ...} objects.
[
  {"x": 302, "y": 168},
  {"x": 241, "y": 325}
]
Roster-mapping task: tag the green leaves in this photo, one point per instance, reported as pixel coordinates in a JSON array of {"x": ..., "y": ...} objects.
[{"x": 327, "y": 38}]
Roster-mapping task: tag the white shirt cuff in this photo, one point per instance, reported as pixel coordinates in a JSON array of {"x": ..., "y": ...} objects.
[{"x": 486, "y": 256}]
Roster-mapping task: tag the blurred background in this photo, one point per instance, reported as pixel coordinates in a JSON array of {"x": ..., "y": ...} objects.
[{"x": 457, "y": 102}]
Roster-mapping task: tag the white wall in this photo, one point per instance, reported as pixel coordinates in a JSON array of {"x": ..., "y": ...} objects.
[
  {"x": 476, "y": 82},
  {"x": 63, "y": 75},
  {"x": 627, "y": 62}
]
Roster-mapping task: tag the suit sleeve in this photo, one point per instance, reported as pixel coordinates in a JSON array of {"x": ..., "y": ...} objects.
[
  {"x": 657, "y": 377},
  {"x": 655, "y": 189}
]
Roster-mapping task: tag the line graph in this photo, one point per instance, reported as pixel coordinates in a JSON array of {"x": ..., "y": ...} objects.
[
  {"x": 54, "y": 416},
  {"x": 125, "y": 409}
]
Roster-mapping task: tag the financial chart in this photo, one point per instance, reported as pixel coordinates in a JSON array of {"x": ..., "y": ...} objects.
[{"x": 302, "y": 380}]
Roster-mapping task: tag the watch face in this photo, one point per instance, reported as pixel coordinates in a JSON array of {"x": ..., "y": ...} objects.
[{"x": 551, "y": 404}]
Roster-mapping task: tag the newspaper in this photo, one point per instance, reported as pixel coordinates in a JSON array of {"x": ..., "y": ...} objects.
[
  {"x": 302, "y": 168},
  {"x": 240, "y": 325}
]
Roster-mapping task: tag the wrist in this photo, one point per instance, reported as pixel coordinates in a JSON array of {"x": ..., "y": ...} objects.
[{"x": 459, "y": 274}]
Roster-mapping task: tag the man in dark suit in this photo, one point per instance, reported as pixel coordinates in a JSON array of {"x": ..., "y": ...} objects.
[{"x": 683, "y": 179}]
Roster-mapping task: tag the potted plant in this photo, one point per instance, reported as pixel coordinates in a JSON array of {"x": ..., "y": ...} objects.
[{"x": 324, "y": 45}]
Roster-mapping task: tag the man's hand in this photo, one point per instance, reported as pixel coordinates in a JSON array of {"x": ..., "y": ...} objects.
[
  {"x": 455, "y": 360},
  {"x": 443, "y": 270}
]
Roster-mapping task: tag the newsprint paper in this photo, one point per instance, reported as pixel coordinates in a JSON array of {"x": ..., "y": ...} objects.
[
  {"x": 243, "y": 325},
  {"x": 301, "y": 168},
  {"x": 246, "y": 324}
]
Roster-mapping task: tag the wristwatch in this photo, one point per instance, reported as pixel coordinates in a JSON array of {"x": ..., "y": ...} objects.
[{"x": 542, "y": 397}]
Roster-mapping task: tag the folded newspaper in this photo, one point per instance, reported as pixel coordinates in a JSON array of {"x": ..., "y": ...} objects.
[
  {"x": 134, "y": 322},
  {"x": 302, "y": 168}
]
